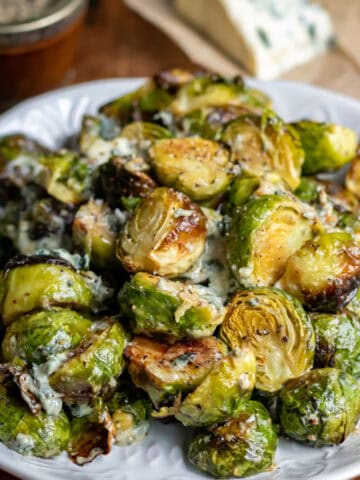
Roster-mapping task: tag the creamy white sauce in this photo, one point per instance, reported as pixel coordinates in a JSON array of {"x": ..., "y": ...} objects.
[
  {"x": 131, "y": 436},
  {"x": 50, "y": 399},
  {"x": 23, "y": 444},
  {"x": 211, "y": 268}
]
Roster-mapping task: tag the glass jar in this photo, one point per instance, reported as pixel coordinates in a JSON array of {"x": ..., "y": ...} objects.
[{"x": 35, "y": 54}]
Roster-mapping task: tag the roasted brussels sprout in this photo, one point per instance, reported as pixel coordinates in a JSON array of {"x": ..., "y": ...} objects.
[
  {"x": 165, "y": 235},
  {"x": 264, "y": 233},
  {"x": 145, "y": 132},
  {"x": 66, "y": 177},
  {"x": 198, "y": 167},
  {"x": 156, "y": 305},
  {"x": 142, "y": 104},
  {"x": 40, "y": 282},
  {"x": 130, "y": 411},
  {"x": 94, "y": 366},
  {"x": 217, "y": 398},
  {"x": 19, "y": 157},
  {"x": 42, "y": 435},
  {"x": 122, "y": 178},
  {"x": 208, "y": 122},
  {"x": 308, "y": 190},
  {"x": 243, "y": 446},
  {"x": 352, "y": 180},
  {"x": 327, "y": 146},
  {"x": 37, "y": 336},
  {"x": 91, "y": 434},
  {"x": 248, "y": 185},
  {"x": 164, "y": 370},
  {"x": 95, "y": 229},
  {"x": 277, "y": 328},
  {"x": 337, "y": 341},
  {"x": 325, "y": 272},
  {"x": 321, "y": 407},
  {"x": 216, "y": 91},
  {"x": 265, "y": 143}
]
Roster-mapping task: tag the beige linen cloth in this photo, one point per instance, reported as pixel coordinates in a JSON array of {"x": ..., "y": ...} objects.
[{"x": 338, "y": 69}]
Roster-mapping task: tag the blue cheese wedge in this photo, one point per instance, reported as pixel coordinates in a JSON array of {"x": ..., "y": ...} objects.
[{"x": 268, "y": 37}]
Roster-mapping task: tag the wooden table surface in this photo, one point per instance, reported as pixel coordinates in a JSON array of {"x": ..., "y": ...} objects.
[{"x": 117, "y": 42}]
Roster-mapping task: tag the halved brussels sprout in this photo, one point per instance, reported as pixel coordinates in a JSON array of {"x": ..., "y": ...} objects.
[
  {"x": 337, "y": 341},
  {"x": 122, "y": 178},
  {"x": 42, "y": 435},
  {"x": 217, "y": 398},
  {"x": 321, "y": 407},
  {"x": 165, "y": 235},
  {"x": 145, "y": 131},
  {"x": 248, "y": 185},
  {"x": 19, "y": 157},
  {"x": 91, "y": 434},
  {"x": 208, "y": 122},
  {"x": 200, "y": 168},
  {"x": 41, "y": 282},
  {"x": 37, "y": 336},
  {"x": 243, "y": 446},
  {"x": 325, "y": 272},
  {"x": 130, "y": 411},
  {"x": 265, "y": 143},
  {"x": 141, "y": 104},
  {"x": 264, "y": 233},
  {"x": 327, "y": 146},
  {"x": 95, "y": 229},
  {"x": 217, "y": 91},
  {"x": 165, "y": 370},
  {"x": 66, "y": 177},
  {"x": 308, "y": 190},
  {"x": 352, "y": 180},
  {"x": 277, "y": 328},
  {"x": 94, "y": 366},
  {"x": 156, "y": 305}
]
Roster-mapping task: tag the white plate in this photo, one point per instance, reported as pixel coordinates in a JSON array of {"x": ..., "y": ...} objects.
[{"x": 54, "y": 117}]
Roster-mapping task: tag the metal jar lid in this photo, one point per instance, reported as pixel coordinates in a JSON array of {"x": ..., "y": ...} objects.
[{"x": 54, "y": 19}]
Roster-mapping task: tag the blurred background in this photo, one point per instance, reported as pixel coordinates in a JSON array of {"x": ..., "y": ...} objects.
[{"x": 68, "y": 42}]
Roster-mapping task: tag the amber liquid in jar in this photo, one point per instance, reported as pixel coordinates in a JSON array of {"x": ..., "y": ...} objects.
[{"x": 36, "y": 59}]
